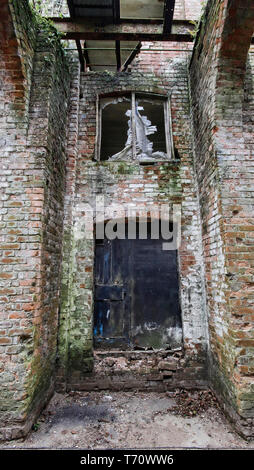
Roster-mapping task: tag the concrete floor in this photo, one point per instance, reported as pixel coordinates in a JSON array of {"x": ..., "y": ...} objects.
[{"x": 133, "y": 420}]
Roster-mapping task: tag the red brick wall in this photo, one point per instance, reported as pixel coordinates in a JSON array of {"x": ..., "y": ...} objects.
[
  {"x": 193, "y": 9},
  {"x": 221, "y": 115},
  {"x": 33, "y": 110},
  {"x": 164, "y": 71},
  {"x": 215, "y": 189},
  {"x": 15, "y": 207}
]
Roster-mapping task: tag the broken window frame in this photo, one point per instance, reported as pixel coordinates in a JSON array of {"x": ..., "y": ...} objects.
[{"x": 134, "y": 96}]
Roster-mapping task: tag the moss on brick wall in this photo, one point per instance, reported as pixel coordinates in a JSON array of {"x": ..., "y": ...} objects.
[
  {"x": 33, "y": 183},
  {"x": 224, "y": 172},
  {"x": 120, "y": 182}
]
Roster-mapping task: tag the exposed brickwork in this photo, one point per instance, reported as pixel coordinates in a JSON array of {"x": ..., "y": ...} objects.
[
  {"x": 17, "y": 39},
  {"x": 193, "y": 9},
  {"x": 224, "y": 154},
  {"x": 47, "y": 138},
  {"x": 53, "y": 8},
  {"x": 66, "y": 268},
  {"x": 148, "y": 371},
  {"x": 161, "y": 72},
  {"x": 33, "y": 169},
  {"x": 48, "y": 113},
  {"x": 179, "y": 12},
  {"x": 15, "y": 210}
]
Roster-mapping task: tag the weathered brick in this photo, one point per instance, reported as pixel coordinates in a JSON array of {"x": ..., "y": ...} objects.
[
  {"x": 44, "y": 181},
  {"x": 222, "y": 126}
]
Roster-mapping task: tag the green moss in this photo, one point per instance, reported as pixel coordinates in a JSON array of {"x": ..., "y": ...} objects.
[
  {"x": 47, "y": 26},
  {"x": 125, "y": 168},
  {"x": 80, "y": 357},
  {"x": 170, "y": 182}
]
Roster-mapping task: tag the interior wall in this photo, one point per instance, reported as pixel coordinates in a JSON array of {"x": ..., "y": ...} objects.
[
  {"x": 222, "y": 156},
  {"x": 34, "y": 105},
  {"x": 171, "y": 182},
  {"x": 214, "y": 190}
]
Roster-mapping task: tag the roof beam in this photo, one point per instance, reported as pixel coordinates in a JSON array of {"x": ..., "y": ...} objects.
[
  {"x": 116, "y": 11},
  {"x": 78, "y": 43},
  {"x": 169, "y": 6},
  {"x": 86, "y": 56},
  {"x": 118, "y": 55},
  {"x": 71, "y": 8},
  {"x": 94, "y": 7},
  {"x": 80, "y": 54},
  {"x": 188, "y": 24},
  {"x": 92, "y": 30},
  {"x": 131, "y": 57}
]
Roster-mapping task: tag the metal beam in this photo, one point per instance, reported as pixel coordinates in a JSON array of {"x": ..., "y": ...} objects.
[
  {"x": 116, "y": 11},
  {"x": 71, "y": 8},
  {"x": 81, "y": 57},
  {"x": 127, "y": 37},
  {"x": 86, "y": 56},
  {"x": 169, "y": 6},
  {"x": 118, "y": 56},
  {"x": 92, "y": 30},
  {"x": 186, "y": 24},
  {"x": 131, "y": 57},
  {"x": 78, "y": 43},
  {"x": 94, "y": 7}
]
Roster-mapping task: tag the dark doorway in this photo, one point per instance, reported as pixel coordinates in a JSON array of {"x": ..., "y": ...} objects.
[{"x": 136, "y": 295}]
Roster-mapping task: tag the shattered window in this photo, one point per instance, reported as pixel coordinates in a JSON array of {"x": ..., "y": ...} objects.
[
  {"x": 135, "y": 127},
  {"x": 115, "y": 125},
  {"x": 150, "y": 129}
]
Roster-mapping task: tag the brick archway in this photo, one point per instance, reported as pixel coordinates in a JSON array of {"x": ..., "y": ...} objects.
[
  {"x": 233, "y": 151},
  {"x": 236, "y": 26},
  {"x": 235, "y": 169},
  {"x": 237, "y": 31}
]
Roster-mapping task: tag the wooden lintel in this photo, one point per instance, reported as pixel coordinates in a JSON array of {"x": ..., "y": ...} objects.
[
  {"x": 92, "y": 30},
  {"x": 169, "y": 7}
]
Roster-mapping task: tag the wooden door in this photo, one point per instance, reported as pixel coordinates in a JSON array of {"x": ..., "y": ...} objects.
[{"x": 136, "y": 295}]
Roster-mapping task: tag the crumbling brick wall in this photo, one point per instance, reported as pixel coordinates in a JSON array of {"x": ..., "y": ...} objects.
[
  {"x": 164, "y": 72},
  {"x": 34, "y": 105},
  {"x": 48, "y": 112},
  {"x": 223, "y": 159}
]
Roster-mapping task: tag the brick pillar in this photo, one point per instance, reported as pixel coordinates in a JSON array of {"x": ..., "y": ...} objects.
[
  {"x": 224, "y": 171},
  {"x": 34, "y": 106}
]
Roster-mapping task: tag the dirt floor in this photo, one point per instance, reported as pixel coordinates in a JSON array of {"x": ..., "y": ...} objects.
[{"x": 133, "y": 420}]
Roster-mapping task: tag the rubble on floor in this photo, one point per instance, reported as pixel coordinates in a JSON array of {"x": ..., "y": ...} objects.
[{"x": 132, "y": 420}]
